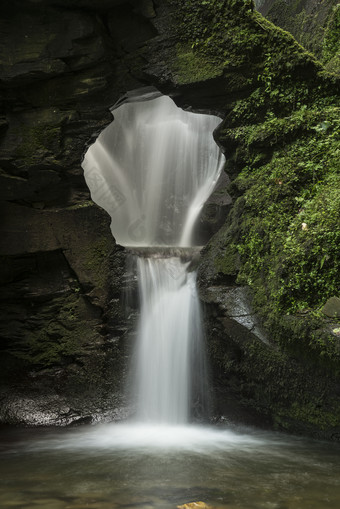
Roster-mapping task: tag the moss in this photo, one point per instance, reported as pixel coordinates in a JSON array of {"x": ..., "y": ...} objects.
[
  {"x": 227, "y": 264},
  {"x": 38, "y": 141},
  {"x": 331, "y": 41},
  {"x": 190, "y": 66},
  {"x": 333, "y": 65},
  {"x": 289, "y": 234},
  {"x": 296, "y": 398},
  {"x": 96, "y": 259},
  {"x": 283, "y": 389},
  {"x": 63, "y": 338},
  {"x": 307, "y": 27},
  {"x": 284, "y": 225},
  {"x": 310, "y": 413},
  {"x": 232, "y": 33},
  {"x": 316, "y": 30},
  {"x": 281, "y": 140}
]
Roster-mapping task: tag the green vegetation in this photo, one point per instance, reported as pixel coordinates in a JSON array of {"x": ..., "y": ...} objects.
[
  {"x": 190, "y": 66},
  {"x": 290, "y": 235},
  {"x": 61, "y": 339},
  {"x": 232, "y": 36},
  {"x": 286, "y": 230},
  {"x": 38, "y": 141},
  {"x": 96, "y": 259},
  {"x": 287, "y": 399},
  {"x": 281, "y": 136},
  {"x": 331, "y": 42},
  {"x": 282, "y": 147},
  {"x": 305, "y": 24}
]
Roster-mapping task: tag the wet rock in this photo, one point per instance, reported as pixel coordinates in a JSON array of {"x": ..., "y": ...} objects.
[
  {"x": 234, "y": 303},
  {"x": 332, "y": 308},
  {"x": 214, "y": 212},
  {"x": 64, "y": 63},
  {"x": 195, "y": 505}
]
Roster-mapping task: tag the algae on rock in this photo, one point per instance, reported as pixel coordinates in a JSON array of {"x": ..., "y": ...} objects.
[{"x": 279, "y": 134}]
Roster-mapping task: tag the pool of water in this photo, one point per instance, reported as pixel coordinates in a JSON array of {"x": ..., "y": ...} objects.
[{"x": 129, "y": 466}]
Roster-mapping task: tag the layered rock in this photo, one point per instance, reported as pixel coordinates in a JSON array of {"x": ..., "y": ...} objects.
[
  {"x": 65, "y": 336},
  {"x": 62, "y": 322}
]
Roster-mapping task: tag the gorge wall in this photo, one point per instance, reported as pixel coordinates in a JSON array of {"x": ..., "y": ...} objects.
[
  {"x": 263, "y": 277},
  {"x": 314, "y": 24}
]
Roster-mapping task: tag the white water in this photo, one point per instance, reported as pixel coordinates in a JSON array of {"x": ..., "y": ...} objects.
[
  {"x": 169, "y": 335},
  {"x": 153, "y": 169},
  {"x": 157, "y": 437}
]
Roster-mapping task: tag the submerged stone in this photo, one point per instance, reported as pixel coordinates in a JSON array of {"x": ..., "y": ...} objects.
[{"x": 194, "y": 505}]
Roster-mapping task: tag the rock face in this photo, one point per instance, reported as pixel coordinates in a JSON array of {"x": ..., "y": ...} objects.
[
  {"x": 312, "y": 23},
  {"x": 332, "y": 307},
  {"x": 62, "y": 274},
  {"x": 65, "y": 337}
]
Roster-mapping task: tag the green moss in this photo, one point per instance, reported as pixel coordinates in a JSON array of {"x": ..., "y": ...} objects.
[
  {"x": 306, "y": 27},
  {"x": 280, "y": 135},
  {"x": 331, "y": 41},
  {"x": 281, "y": 140},
  {"x": 60, "y": 340},
  {"x": 232, "y": 34},
  {"x": 190, "y": 66},
  {"x": 291, "y": 403},
  {"x": 38, "y": 141},
  {"x": 309, "y": 413},
  {"x": 205, "y": 24},
  {"x": 96, "y": 259},
  {"x": 228, "y": 263},
  {"x": 316, "y": 30},
  {"x": 289, "y": 234},
  {"x": 286, "y": 230},
  {"x": 333, "y": 65}
]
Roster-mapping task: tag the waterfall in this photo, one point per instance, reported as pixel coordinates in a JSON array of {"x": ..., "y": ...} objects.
[
  {"x": 152, "y": 169},
  {"x": 169, "y": 336}
]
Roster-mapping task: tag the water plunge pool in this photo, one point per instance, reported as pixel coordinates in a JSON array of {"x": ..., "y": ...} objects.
[{"x": 138, "y": 466}]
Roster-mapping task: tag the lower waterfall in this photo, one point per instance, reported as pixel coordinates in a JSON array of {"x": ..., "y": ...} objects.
[{"x": 169, "y": 341}]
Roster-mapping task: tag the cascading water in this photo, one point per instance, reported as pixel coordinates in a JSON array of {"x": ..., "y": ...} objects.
[
  {"x": 153, "y": 169},
  {"x": 170, "y": 329},
  {"x": 160, "y": 461}
]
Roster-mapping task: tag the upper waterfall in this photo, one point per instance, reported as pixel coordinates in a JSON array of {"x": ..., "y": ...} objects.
[{"x": 152, "y": 169}]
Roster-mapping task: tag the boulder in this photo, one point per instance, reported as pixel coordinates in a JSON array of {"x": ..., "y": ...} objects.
[
  {"x": 195, "y": 505},
  {"x": 332, "y": 308}
]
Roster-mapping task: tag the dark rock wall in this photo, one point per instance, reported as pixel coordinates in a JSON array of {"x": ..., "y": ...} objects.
[
  {"x": 64, "y": 333},
  {"x": 65, "y": 337},
  {"x": 63, "y": 64}
]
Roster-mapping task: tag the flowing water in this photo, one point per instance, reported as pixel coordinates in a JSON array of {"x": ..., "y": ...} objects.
[
  {"x": 152, "y": 170},
  {"x": 169, "y": 335},
  {"x": 121, "y": 466}
]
